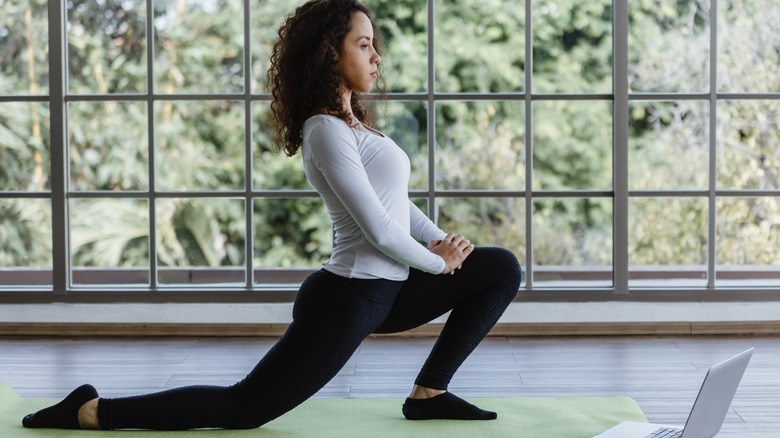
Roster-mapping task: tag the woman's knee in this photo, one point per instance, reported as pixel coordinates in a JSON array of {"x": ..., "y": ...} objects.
[
  {"x": 251, "y": 408},
  {"x": 502, "y": 264},
  {"x": 247, "y": 422}
]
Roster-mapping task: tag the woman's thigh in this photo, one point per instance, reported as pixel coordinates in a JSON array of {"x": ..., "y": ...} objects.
[
  {"x": 332, "y": 315},
  {"x": 425, "y": 297}
]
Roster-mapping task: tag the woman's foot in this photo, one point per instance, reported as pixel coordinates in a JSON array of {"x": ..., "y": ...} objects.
[
  {"x": 445, "y": 406},
  {"x": 65, "y": 414}
]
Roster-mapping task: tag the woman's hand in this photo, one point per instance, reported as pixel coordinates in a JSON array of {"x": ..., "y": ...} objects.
[{"x": 453, "y": 249}]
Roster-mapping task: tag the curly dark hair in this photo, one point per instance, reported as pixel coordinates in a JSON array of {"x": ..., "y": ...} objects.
[{"x": 304, "y": 76}]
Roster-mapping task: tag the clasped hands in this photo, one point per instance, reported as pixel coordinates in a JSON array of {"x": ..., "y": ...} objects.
[{"x": 454, "y": 249}]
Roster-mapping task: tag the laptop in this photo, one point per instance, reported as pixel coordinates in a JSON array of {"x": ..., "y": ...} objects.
[{"x": 708, "y": 412}]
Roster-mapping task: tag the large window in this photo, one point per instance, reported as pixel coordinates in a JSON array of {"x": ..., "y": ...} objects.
[{"x": 624, "y": 148}]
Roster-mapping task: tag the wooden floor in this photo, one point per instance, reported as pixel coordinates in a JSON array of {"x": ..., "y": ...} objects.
[{"x": 662, "y": 374}]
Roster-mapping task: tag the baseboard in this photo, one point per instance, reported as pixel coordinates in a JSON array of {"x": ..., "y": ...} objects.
[{"x": 501, "y": 329}]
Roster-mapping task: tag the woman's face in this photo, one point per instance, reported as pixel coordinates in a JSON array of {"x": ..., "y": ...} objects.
[{"x": 358, "y": 60}]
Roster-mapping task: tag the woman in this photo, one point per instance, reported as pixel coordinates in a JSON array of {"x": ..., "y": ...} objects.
[{"x": 379, "y": 279}]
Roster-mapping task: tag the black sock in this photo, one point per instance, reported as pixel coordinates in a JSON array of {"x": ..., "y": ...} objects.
[
  {"x": 65, "y": 414},
  {"x": 444, "y": 406}
]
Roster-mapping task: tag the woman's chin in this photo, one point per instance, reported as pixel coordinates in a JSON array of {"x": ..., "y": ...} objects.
[{"x": 368, "y": 87}]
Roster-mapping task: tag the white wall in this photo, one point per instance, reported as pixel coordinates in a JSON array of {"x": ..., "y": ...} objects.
[{"x": 280, "y": 312}]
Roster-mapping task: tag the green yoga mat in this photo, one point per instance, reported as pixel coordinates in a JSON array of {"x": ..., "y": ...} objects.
[{"x": 527, "y": 417}]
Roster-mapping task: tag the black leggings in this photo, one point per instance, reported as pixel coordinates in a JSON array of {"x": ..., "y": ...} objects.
[{"x": 331, "y": 317}]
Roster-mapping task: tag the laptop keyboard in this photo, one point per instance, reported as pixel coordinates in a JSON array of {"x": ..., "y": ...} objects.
[{"x": 665, "y": 432}]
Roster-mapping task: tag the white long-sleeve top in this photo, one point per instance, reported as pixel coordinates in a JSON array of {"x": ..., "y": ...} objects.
[{"x": 363, "y": 177}]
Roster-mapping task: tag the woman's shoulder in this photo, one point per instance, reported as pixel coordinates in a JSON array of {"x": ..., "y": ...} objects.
[
  {"x": 324, "y": 120},
  {"x": 324, "y": 133},
  {"x": 325, "y": 125}
]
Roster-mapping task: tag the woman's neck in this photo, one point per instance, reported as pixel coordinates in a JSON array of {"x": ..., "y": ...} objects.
[
  {"x": 346, "y": 101},
  {"x": 346, "y": 105}
]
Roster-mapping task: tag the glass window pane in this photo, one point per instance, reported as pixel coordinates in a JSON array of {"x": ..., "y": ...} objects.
[
  {"x": 669, "y": 46},
  {"x": 200, "y": 145},
  {"x": 273, "y": 170},
  {"x": 403, "y": 33},
  {"x": 109, "y": 241},
  {"x": 748, "y": 37},
  {"x": 748, "y": 246},
  {"x": 199, "y": 46},
  {"x": 668, "y": 145},
  {"x": 292, "y": 238},
  {"x": 108, "y": 145},
  {"x": 572, "y": 242},
  {"x": 572, "y": 47},
  {"x": 25, "y": 254},
  {"x": 480, "y": 145},
  {"x": 24, "y": 47},
  {"x": 201, "y": 241},
  {"x": 572, "y": 145},
  {"x": 667, "y": 242},
  {"x": 749, "y": 144},
  {"x": 267, "y": 17},
  {"x": 24, "y": 146},
  {"x": 407, "y": 124},
  {"x": 106, "y": 46},
  {"x": 479, "y": 45},
  {"x": 486, "y": 221}
]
